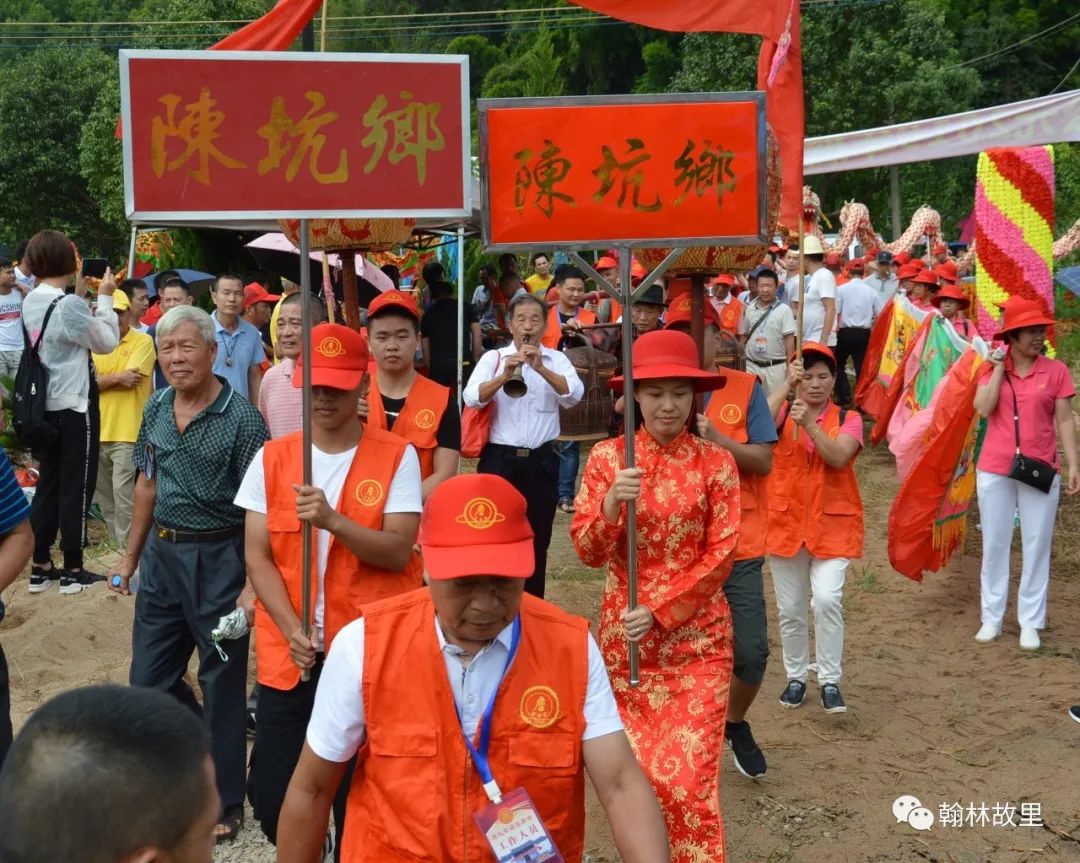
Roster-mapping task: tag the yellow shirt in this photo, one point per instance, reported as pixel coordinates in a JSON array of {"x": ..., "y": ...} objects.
[
  {"x": 537, "y": 284},
  {"x": 122, "y": 410}
]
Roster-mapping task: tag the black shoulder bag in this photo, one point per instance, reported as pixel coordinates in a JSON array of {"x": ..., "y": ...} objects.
[{"x": 1024, "y": 468}]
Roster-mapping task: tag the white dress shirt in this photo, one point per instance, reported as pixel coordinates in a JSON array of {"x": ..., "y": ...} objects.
[
  {"x": 338, "y": 724},
  {"x": 532, "y": 420},
  {"x": 857, "y": 304}
]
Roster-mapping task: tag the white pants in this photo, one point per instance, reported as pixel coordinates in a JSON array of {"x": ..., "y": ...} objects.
[
  {"x": 999, "y": 500},
  {"x": 800, "y": 581}
]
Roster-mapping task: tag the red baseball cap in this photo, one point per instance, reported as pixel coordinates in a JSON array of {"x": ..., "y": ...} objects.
[
  {"x": 475, "y": 524},
  {"x": 856, "y": 266},
  {"x": 833, "y": 259},
  {"x": 393, "y": 300},
  {"x": 606, "y": 263},
  {"x": 256, "y": 293},
  {"x": 940, "y": 249},
  {"x": 818, "y": 351},
  {"x": 680, "y": 311},
  {"x": 725, "y": 279},
  {"x": 339, "y": 358}
]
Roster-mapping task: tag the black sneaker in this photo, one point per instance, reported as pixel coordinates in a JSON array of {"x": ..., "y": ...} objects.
[
  {"x": 42, "y": 579},
  {"x": 831, "y": 699},
  {"x": 794, "y": 694},
  {"x": 76, "y": 582},
  {"x": 749, "y": 759},
  {"x": 1074, "y": 714}
]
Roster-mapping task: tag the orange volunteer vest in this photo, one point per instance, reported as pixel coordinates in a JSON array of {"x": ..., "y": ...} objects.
[
  {"x": 553, "y": 333},
  {"x": 811, "y": 503},
  {"x": 728, "y": 410},
  {"x": 730, "y": 313},
  {"x": 349, "y": 583},
  {"x": 419, "y": 419},
  {"x": 415, "y": 788}
]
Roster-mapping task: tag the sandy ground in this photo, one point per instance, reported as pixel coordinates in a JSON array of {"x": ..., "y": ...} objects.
[{"x": 932, "y": 714}]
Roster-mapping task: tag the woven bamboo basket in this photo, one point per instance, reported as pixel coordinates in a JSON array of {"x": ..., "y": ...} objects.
[
  {"x": 590, "y": 418},
  {"x": 369, "y": 235}
]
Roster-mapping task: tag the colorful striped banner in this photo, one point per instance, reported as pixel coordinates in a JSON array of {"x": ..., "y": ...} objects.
[{"x": 1014, "y": 231}]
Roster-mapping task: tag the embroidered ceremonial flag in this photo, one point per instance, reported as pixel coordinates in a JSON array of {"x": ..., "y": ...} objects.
[
  {"x": 903, "y": 332},
  {"x": 928, "y": 519}
]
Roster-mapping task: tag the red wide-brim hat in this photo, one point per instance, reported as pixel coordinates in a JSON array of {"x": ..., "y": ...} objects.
[
  {"x": 950, "y": 292},
  {"x": 1021, "y": 313},
  {"x": 665, "y": 354}
]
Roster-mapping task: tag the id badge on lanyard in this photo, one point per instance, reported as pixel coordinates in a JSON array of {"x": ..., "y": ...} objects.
[{"x": 510, "y": 823}]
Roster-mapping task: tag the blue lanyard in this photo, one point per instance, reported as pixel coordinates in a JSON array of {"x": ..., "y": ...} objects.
[{"x": 480, "y": 752}]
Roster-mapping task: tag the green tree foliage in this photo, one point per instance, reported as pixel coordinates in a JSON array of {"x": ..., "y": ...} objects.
[{"x": 45, "y": 100}]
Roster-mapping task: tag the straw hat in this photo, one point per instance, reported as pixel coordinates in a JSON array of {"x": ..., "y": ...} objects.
[
  {"x": 1021, "y": 313},
  {"x": 669, "y": 354}
]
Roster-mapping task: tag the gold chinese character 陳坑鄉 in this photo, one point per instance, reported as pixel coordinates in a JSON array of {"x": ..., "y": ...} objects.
[
  {"x": 280, "y": 130},
  {"x": 630, "y": 172},
  {"x": 549, "y": 170},
  {"x": 411, "y": 131},
  {"x": 198, "y": 129},
  {"x": 711, "y": 170}
]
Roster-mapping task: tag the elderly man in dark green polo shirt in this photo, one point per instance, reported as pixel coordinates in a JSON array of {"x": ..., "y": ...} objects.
[{"x": 197, "y": 439}]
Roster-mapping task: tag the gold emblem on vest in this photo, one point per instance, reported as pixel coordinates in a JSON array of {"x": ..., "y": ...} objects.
[
  {"x": 540, "y": 707},
  {"x": 330, "y": 347},
  {"x": 425, "y": 419},
  {"x": 480, "y": 514},
  {"x": 730, "y": 414},
  {"x": 369, "y": 492}
]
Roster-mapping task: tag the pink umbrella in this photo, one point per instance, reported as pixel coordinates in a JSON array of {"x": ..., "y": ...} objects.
[{"x": 275, "y": 253}]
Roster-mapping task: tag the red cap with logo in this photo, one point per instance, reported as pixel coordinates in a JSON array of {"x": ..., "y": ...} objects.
[
  {"x": 339, "y": 358},
  {"x": 475, "y": 525},
  {"x": 725, "y": 279},
  {"x": 680, "y": 311},
  {"x": 256, "y": 293},
  {"x": 393, "y": 300}
]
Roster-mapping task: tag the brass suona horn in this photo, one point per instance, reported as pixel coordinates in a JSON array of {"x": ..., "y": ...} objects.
[{"x": 515, "y": 386}]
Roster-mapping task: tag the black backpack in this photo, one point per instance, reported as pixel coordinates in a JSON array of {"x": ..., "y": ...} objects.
[{"x": 31, "y": 388}]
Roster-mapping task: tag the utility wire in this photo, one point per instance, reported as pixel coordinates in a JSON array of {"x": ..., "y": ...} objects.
[{"x": 1009, "y": 48}]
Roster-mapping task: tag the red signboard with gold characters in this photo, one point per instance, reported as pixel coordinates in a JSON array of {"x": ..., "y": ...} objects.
[
  {"x": 220, "y": 135},
  {"x": 598, "y": 171}
]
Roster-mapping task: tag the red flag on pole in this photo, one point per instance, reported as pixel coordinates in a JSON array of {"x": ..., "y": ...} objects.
[
  {"x": 274, "y": 31},
  {"x": 779, "y": 64}
]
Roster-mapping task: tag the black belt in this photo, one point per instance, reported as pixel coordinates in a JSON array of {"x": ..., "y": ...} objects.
[
  {"x": 854, "y": 328},
  {"x": 170, "y": 534},
  {"x": 523, "y": 452},
  {"x": 767, "y": 364}
]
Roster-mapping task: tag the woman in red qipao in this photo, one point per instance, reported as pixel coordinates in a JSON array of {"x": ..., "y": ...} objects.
[{"x": 686, "y": 491}]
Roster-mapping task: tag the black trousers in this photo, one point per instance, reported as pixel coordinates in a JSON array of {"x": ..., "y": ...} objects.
[
  {"x": 68, "y": 474},
  {"x": 281, "y": 720},
  {"x": 850, "y": 342},
  {"x": 536, "y": 476},
  {"x": 5, "y": 709},
  {"x": 184, "y": 589}
]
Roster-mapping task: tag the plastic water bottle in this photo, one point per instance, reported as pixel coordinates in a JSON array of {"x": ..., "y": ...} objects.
[{"x": 133, "y": 585}]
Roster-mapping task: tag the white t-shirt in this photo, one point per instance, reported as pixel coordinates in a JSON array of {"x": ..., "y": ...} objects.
[
  {"x": 820, "y": 286},
  {"x": 338, "y": 723},
  {"x": 328, "y": 472},
  {"x": 11, "y": 334}
]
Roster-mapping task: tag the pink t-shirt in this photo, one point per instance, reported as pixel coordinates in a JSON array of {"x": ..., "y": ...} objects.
[
  {"x": 852, "y": 426},
  {"x": 1036, "y": 395}
]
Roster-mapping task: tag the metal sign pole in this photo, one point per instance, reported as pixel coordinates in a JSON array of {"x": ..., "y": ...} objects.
[
  {"x": 461, "y": 341},
  {"x": 305, "y": 356},
  {"x": 629, "y": 416}
]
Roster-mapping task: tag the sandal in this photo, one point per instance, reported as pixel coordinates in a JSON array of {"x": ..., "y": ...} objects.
[
  {"x": 566, "y": 505},
  {"x": 231, "y": 821}
]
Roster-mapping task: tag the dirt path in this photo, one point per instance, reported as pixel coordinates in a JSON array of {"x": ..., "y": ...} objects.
[{"x": 932, "y": 714}]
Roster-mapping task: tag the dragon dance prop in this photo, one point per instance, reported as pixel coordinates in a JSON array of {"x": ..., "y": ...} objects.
[
  {"x": 928, "y": 518},
  {"x": 1014, "y": 232}
]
